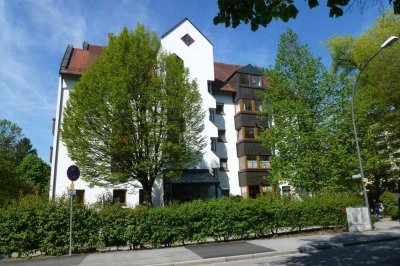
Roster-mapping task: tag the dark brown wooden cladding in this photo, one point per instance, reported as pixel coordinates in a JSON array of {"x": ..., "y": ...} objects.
[
  {"x": 250, "y": 120},
  {"x": 251, "y": 148},
  {"x": 247, "y": 93},
  {"x": 253, "y": 178}
]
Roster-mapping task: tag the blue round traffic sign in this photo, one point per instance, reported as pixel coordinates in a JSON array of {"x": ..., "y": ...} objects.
[{"x": 73, "y": 173}]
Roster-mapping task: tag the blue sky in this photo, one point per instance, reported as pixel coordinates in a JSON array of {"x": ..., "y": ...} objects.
[{"x": 35, "y": 33}]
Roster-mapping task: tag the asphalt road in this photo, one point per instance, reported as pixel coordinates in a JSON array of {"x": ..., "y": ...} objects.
[{"x": 381, "y": 253}]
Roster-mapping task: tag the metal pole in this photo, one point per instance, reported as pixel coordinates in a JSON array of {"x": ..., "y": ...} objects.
[
  {"x": 356, "y": 136},
  {"x": 70, "y": 227}
]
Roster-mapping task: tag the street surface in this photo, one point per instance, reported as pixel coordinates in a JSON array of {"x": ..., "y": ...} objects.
[{"x": 382, "y": 253}]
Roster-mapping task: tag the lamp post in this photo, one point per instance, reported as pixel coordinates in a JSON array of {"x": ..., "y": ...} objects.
[{"x": 384, "y": 45}]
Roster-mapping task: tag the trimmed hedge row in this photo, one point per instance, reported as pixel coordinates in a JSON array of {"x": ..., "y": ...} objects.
[{"x": 35, "y": 224}]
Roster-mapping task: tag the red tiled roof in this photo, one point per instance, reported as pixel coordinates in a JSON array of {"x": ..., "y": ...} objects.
[
  {"x": 224, "y": 71},
  {"x": 81, "y": 59}
]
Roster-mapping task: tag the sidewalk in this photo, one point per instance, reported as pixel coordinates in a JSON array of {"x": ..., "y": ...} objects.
[{"x": 230, "y": 251}]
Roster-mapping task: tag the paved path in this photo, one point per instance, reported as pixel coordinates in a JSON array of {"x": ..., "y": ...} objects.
[{"x": 222, "y": 252}]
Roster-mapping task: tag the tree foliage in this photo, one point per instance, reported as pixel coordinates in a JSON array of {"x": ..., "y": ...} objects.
[
  {"x": 13, "y": 148},
  {"x": 134, "y": 116},
  {"x": 261, "y": 12},
  {"x": 35, "y": 171},
  {"x": 377, "y": 98},
  {"x": 304, "y": 101}
]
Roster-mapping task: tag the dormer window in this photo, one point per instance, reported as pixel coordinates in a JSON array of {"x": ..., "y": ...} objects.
[
  {"x": 255, "y": 81},
  {"x": 246, "y": 79},
  {"x": 187, "y": 39}
]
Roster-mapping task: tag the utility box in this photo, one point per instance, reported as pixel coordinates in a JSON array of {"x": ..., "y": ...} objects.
[{"x": 358, "y": 219}]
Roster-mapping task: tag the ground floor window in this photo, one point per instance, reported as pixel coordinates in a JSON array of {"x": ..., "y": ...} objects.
[
  {"x": 80, "y": 196},
  {"x": 286, "y": 191},
  {"x": 182, "y": 192},
  {"x": 119, "y": 196},
  {"x": 254, "y": 191}
]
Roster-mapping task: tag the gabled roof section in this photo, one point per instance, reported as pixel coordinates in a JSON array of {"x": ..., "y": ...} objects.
[
  {"x": 180, "y": 23},
  {"x": 249, "y": 69},
  {"x": 222, "y": 73}
]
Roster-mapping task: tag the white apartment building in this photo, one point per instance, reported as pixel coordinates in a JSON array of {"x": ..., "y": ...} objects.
[{"x": 234, "y": 162}]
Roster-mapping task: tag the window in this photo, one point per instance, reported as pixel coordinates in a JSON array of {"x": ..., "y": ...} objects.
[
  {"x": 220, "y": 108},
  {"x": 286, "y": 191},
  {"x": 141, "y": 196},
  {"x": 215, "y": 173},
  {"x": 187, "y": 39},
  {"x": 242, "y": 162},
  {"x": 237, "y": 107},
  {"x": 254, "y": 192},
  {"x": 259, "y": 106},
  {"x": 51, "y": 154},
  {"x": 247, "y": 106},
  {"x": 255, "y": 81},
  {"x": 119, "y": 196},
  {"x": 80, "y": 196},
  {"x": 223, "y": 164},
  {"x": 251, "y": 161},
  {"x": 212, "y": 114},
  {"x": 225, "y": 192},
  {"x": 213, "y": 144},
  {"x": 249, "y": 133},
  {"x": 250, "y": 80},
  {"x": 210, "y": 86},
  {"x": 221, "y": 136},
  {"x": 264, "y": 162},
  {"x": 54, "y": 125},
  {"x": 244, "y": 79}
]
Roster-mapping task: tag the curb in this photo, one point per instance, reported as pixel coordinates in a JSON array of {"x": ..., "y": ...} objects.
[{"x": 304, "y": 249}]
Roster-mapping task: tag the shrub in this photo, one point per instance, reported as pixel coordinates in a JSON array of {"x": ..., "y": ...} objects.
[
  {"x": 390, "y": 204},
  {"x": 37, "y": 224}
]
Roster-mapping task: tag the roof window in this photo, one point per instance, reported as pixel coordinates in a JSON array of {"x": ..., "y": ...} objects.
[{"x": 187, "y": 39}]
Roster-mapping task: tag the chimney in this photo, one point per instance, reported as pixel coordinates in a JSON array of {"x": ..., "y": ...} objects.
[{"x": 85, "y": 45}]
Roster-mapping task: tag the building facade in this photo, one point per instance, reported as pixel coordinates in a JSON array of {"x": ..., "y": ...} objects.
[{"x": 234, "y": 162}]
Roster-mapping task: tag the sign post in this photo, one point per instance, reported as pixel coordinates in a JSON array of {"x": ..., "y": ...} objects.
[{"x": 73, "y": 173}]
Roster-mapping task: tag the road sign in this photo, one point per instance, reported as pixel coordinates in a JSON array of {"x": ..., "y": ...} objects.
[
  {"x": 356, "y": 176},
  {"x": 73, "y": 173},
  {"x": 72, "y": 192}
]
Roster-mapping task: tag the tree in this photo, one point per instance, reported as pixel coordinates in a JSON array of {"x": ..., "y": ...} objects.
[
  {"x": 134, "y": 116},
  {"x": 261, "y": 12},
  {"x": 377, "y": 100},
  {"x": 35, "y": 171},
  {"x": 13, "y": 148},
  {"x": 302, "y": 100}
]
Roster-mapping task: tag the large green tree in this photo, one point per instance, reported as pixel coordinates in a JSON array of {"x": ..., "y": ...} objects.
[
  {"x": 13, "y": 148},
  {"x": 302, "y": 100},
  {"x": 377, "y": 98},
  {"x": 134, "y": 116},
  {"x": 262, "y": 12}
]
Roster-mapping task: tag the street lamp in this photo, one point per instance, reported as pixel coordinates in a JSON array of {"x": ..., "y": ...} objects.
[{"x": 391, "y": 40}]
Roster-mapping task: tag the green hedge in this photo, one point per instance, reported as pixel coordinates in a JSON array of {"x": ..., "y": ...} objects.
[{"x": 34, "y": 224}]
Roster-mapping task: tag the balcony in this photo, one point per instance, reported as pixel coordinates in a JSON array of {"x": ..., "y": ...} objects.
[{"x": 253, "y": 177}]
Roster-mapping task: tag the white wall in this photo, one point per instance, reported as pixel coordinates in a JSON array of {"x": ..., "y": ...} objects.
[
  {"x": 229, "y": 179},
  {"x": 199, "y": 59}
]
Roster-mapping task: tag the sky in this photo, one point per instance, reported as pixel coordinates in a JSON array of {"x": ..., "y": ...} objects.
[{"x": 35, "y": 33}]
